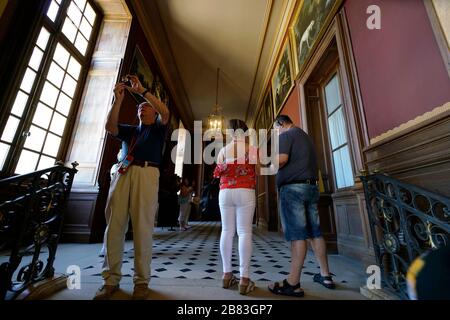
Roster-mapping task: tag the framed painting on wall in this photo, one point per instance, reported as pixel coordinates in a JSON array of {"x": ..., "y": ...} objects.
[
  {"x": 268, "y": 110},
  {"x": 311, "y": 18},
  {"x": 282, "y": 81},
  {"x": 159, "y": 92},
  {"x": 255, "y": 123},
  {"x": 259, "y": 123},
  {"x": 141, "y": 69}
]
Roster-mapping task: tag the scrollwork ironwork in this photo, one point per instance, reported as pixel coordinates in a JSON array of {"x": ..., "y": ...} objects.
[
  {"x": 405, "y": 221},
  {"x": 31, "y": 216}
]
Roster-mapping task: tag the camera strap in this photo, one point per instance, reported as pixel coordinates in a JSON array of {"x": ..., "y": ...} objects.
[{"x": 135, "y": 140}]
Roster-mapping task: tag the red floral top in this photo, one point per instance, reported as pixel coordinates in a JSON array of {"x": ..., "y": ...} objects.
[{"x": 237, "y": 175}]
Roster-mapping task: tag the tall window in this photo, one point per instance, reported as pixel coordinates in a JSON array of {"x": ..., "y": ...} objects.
[
  {"x": 337, "y": 130},
  {"x": 50, "y": 84}
]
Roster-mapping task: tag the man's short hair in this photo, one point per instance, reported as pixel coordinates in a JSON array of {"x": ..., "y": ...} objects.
[
  {"x": 283, "y": 119},
  {"x": 146, "y": 103},
  {"x": 143, "y": 104}
]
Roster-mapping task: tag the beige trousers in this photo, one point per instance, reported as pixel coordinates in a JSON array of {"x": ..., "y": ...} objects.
[{"x": 134, "y": 194}]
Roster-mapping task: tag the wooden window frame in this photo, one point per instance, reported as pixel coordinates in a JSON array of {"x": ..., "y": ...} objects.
[
  {"x": 56, "y": 36},
  {"x": 336, "y": 71}
]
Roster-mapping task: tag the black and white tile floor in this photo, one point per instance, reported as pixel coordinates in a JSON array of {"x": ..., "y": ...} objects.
[
  {"x": 195, "y": 254},
  {"x": 187, "y": 266}
]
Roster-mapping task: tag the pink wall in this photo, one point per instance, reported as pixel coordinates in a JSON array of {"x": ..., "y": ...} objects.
[
  {"x": 401, "y": 71},
  {"x": 292, "y": 107}
]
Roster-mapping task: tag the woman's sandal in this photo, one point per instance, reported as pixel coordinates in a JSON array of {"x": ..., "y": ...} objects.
[
  {"x": 229, "y": 282},
  {"x": 287, "y": 289},
  {"x": 321, "y": 279},
  {"x": 245, "y": 289}
]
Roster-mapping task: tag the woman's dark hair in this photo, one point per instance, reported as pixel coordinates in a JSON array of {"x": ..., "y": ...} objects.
[
  {"x": 282, "y": 119},
  {"x": 236, "y": 124}
]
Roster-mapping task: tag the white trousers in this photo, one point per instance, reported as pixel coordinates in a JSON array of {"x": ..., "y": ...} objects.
[
  {"x": 184, "y": 213},
  {"x": 134, "y": 195},
  {"x": 237, "y": 207}
]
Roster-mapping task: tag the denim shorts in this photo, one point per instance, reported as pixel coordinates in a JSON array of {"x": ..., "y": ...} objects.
[{"x": 299, "y": 212}]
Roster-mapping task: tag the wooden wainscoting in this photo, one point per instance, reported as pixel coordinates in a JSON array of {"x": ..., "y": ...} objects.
[
  {"x": 419, "y": 155},
  {"x": 272, "y": 204},
  {"x": 261, "y": 211},
  {"x": 353, "y": 233},
  {"x": 78, "y": 218},
  {"x": 267, "y": 204},
  {"x": 327, "y": 222}
]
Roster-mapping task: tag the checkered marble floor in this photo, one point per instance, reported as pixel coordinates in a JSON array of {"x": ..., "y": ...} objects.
[{"x": 195, "y": 254}]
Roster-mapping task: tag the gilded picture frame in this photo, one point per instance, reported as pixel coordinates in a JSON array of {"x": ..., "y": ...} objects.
[
  {"x": 268, "y": 109},
  {"x": 282, "y": 79},
  {"x": 259, "y": 122},
  {"x": 312, "y": 17}
]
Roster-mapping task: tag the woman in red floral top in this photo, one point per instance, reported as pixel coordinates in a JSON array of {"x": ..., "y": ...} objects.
[{"x": 236, "y": 168}]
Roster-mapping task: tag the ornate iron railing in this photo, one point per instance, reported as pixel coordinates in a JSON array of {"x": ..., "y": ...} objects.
[
  {"x": 405, "y": 221},
  {"x": 31, "y": 219}
]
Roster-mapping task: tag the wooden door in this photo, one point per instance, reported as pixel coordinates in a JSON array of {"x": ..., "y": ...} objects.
[{"x": 317, "y": 130}]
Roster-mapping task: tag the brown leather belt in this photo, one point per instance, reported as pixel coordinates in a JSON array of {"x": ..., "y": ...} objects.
[{"x": 143, "y": 164}]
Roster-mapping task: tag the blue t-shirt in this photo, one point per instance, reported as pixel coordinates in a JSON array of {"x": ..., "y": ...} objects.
[{"x": 150, "y": 141}]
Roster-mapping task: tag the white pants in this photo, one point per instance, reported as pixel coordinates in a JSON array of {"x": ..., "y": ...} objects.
[
  {"x": 237, "y": 207},
  {"x": 184, "y": 213},
  {"x": 134, "y": 195}
]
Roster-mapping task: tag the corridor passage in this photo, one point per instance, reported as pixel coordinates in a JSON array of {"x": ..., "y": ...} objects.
[{"x": 187, "y": 265}]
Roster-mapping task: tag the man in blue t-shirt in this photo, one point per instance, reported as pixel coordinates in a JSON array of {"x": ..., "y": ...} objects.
[
  {"x": 298, "y": 193},
  {"x": 134, "y": 189}
]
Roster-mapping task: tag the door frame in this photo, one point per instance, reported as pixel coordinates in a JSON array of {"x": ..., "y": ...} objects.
[
  {"x": 354, "y": 111},
  {"x": 352, "y": 226},
  {"x": 319, "y": 132}
]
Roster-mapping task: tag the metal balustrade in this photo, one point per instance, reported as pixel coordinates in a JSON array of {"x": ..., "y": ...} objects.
[
  {"x": 405, "y": 221},
  {"x": 31, "y": 219}
]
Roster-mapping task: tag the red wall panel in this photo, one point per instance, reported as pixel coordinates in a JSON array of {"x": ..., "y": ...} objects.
[
  {"x": 401, "y": 71},
  {"x": 292, "y": 107}
]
